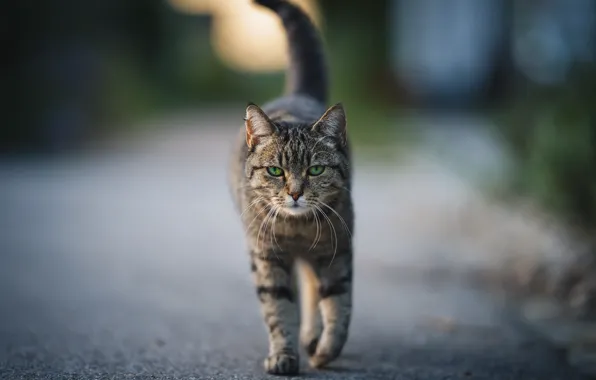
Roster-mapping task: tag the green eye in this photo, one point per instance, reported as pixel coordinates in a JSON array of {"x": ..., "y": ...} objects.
[
  {"x": 275, "y": 171},
  {"x": 316, "y": 170}
]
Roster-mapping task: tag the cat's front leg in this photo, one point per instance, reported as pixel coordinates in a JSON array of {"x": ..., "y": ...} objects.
[
  {"x": 272, "y": 273},
  {"x": 310, "y": 317},
  {"x": 335, "y": 292}
]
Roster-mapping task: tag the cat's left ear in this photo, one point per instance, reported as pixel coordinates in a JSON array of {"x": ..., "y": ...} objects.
[
  {"x": 257, "y": 124},
  {"x": 333, "y": 123}
]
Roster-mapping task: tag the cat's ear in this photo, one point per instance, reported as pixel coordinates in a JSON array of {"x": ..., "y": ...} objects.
[
  {"x": 257, "y": 124},
  {"x": 333, "y": 123}
]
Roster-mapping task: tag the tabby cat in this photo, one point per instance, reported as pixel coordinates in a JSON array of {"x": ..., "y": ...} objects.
[{"x": 291, "y": 181}]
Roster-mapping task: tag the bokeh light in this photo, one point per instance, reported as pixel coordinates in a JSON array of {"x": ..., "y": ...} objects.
[{"x": 247, "y": 37}]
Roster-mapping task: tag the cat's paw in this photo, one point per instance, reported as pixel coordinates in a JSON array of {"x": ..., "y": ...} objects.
[
  {"x": 319, "y": 360},
  {"x": 324, "y": 355},
  {"x": 282, "y": 364},
  {"x": 329, "y": 348}
]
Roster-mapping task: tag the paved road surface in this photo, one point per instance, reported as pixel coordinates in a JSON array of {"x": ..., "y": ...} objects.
[{"x": 132, "y": 266}]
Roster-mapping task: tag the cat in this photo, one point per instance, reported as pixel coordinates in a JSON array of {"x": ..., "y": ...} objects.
[{"x": 291, "y": 184}]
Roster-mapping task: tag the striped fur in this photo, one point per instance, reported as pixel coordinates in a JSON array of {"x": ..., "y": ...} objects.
[
  {"x": 298, "y": 225},
  {"x": 307, "y": 72}
]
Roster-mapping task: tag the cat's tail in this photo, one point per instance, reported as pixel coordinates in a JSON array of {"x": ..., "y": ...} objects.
[{"x": 307, "y": 71}]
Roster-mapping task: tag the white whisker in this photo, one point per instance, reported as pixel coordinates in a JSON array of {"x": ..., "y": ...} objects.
[
  {"x": 252, "y": 204},
  {"x": 264, "y": 223},
  {"x": 277, "y": 209},
  {"x": 332, "y": 230},
  {"x": 255, "y": 218},
  {"x": 343, "y": 222},
  {"x": 317, "y": 234}
]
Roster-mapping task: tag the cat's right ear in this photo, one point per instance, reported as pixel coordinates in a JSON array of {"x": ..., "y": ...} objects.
[{"x": 257, "y": 125}]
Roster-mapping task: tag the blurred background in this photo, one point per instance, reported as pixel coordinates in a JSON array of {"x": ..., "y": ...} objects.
[
  {"x": 77, "y": 72},
  {"x": 474, "y": 125}
]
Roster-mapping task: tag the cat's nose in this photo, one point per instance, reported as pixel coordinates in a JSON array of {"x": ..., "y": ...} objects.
[{"x": 295, "y": 195}]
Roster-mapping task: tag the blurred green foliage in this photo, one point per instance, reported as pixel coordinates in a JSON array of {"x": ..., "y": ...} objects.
[
  {"x": 190, "y": 75},
  {"x": 552, "y": 132}
]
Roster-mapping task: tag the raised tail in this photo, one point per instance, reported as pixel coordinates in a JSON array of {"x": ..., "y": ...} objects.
[{"x": 307, "y": 71}]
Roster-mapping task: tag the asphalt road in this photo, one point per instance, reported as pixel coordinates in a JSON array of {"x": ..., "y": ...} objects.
[{"x": 131, "y": 265}]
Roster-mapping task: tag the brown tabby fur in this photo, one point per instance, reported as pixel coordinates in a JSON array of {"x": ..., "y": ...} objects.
[{"x": 298, "y": 224}]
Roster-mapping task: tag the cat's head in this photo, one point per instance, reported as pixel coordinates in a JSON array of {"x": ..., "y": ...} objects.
[{"x": 297, "y": 168}]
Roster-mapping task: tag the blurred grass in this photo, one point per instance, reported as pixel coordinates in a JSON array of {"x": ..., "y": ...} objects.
[{"x": 552, "y": 134}]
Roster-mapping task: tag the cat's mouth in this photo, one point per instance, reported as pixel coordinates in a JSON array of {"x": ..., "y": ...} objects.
[{"x": 296, "y": 209}]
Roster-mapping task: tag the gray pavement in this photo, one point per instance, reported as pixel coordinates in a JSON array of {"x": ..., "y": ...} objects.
[{"x": 131, "y": 265}]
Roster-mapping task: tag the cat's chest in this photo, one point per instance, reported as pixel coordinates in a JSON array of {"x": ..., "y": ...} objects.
[
  {"x": 304, "y": 237},
  {"x": 298, "y": 231}
]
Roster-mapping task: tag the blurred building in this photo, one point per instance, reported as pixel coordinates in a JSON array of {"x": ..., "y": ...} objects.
[
  {"x": 550, "y": 36},
  {"x": 446, "y": 51},
  {"x": 450, "y": 51}
]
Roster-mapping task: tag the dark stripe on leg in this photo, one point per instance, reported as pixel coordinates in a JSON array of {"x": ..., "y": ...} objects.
[
  {"x": 333, "y": 290},
  {"x": 273, "y": 326},
  {"x": 276, "y": 260},
  {"x": 342, "y": 254},
  {"x": 311, "y": 347},
  {"x": 337, "y": 288},
  {"x": 276, "y": 292}
]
